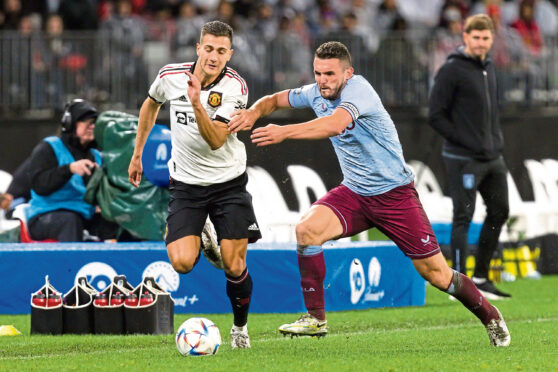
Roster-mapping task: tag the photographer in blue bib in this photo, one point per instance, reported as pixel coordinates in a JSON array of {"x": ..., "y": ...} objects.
[{"x": 60, "y": 168}]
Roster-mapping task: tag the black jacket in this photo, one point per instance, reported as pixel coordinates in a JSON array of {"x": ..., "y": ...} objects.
[
  {"x": 44, "y": 172},
  {"x": 464, "y": 107}
]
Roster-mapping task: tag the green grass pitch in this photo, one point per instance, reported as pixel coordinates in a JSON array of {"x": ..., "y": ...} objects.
[{"x": 441, "y": 336}]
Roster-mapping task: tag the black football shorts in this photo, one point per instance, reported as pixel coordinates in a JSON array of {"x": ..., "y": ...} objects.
[{"x": 228, "y": 205}]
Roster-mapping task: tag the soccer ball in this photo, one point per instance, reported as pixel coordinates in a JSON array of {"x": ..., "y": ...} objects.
[{"x": 198, "y": 336}]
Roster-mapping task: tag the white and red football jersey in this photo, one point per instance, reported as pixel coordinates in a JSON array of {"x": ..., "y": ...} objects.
[{"x": 193, "y": 161}]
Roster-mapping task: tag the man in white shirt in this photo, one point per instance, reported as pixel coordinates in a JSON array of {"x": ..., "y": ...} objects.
[{"x": 207, "y": 166}]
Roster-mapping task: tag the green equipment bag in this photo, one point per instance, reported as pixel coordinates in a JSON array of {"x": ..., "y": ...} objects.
[{"x": 141, "y": 211}]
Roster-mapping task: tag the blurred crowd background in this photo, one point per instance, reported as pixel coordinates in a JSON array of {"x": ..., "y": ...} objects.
[{"x": 109, "y": 51}]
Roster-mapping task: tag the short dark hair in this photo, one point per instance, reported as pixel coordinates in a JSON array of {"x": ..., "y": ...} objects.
[
  {"x": 217, "y": 28},
  {"x": 478, "y": 22},
  {"x": 334, "y": 49}
]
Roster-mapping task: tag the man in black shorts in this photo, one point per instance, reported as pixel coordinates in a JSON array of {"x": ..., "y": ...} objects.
[{"x": 207, "y": 166}]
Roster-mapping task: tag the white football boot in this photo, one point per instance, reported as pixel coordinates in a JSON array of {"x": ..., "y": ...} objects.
[
  {"x": 306, "y": 325},
  {"x": 498, "y": 331},
  {"x": 240, "y": 338},
  {"x": 209, "y": 246}
]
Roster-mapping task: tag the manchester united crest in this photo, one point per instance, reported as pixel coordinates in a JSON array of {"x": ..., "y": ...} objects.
[{"x": 214, "y": 99}]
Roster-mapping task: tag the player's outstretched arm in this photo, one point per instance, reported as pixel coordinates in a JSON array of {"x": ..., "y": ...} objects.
[
  {"x": 324, "y": 127},
  {"x": 245, "y": 119},
  {"x": 148, "y": 114}
]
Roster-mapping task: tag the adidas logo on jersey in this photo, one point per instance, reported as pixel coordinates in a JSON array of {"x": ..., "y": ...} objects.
[
  {"x": 253, "y": 227},
  {"x": 183, "y": 98}
]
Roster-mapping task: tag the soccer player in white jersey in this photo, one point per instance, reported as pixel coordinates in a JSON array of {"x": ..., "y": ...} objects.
[
  {"x": 207, "y": 165},
  {"x": 377, "y": 188}
]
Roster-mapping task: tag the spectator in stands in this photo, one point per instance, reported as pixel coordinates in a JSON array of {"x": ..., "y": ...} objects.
[
  {"x": 447, "y": 37},
  {"x": 50, "y": 51},
  {"x": 349, "y": 36},
  {"x": 365, "y": 12},
  {"x": 21, "y": 44},
  {"x": 400, "y": 64},
  {"x": 11, "y": 15},
  {"x": 162, "y": 25},
  {"x": 188, "y": 25},
  {"x": 265, "y": 24},
  {"x": 461, "y": 5},
  {"x": 386, "y": 17},
  {"x": 507, "y": 47},
  {"x": 28, "y": 25},
  {"x": 528, "y": 28},
  {"x": 464, "y": 110},
  {"x": 60, "y": 168},
  {"x": 225, "y": 13},
  {"x": 299, "y": 26},
  {"x": 327, "y": 17},
  {"x": 138, "y": 6},
  {"x": 124, "y": 33},
  {"x": 290, "y": 56},
  {"x": 506, "y": 53}
]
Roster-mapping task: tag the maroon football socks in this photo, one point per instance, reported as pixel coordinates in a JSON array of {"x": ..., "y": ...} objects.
[
  {"x": 312, "y": 274},
  {"x": 463, "y": 289}
]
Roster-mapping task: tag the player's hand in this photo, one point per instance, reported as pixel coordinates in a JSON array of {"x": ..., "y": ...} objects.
[
  {"x": 194, "y": 87},
  {"x": 134, "y": 171},
  {"x": 6, "y": 201},
  {"x": 242, "y": 120},
  {"x": 268, "y": 135},
  {"x": 82, "y": 167}
]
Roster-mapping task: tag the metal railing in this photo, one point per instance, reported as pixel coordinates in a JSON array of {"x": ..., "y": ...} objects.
[{"x": 40, "y": 73}]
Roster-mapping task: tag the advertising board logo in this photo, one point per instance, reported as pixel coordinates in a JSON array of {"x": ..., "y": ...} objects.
[
  {"x": 161, "y": 153},
  {"x": 164, "y": 275},
  {"x": 161, "y": 157},
  {"x": 98, "y": 274},
  {"x": 356, "y": 274},
  {"x": 361, "y": 291}
]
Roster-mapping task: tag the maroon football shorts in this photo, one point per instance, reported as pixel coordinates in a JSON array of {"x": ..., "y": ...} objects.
[{"x": 397, "y": 213}]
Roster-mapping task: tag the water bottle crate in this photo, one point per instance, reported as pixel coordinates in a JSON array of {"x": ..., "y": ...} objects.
[
  {"x": 108, "y": 314},
  {"x": 118, "y": 309},
  {"x": 153, "y": 313},
  {"x": 46, "y": 310},
  {"x": 78, "y": 308}
]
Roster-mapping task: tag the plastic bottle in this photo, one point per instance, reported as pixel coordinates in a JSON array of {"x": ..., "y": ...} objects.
[
  {"x": 39, "y": 299},
  {"x": 54, "y": 299},
  {"x": 146, "y": 299},
  {"x": 131, "y": 299},
  {"x": 117, "y": 299},
  {"x": 101, "y": 299}
]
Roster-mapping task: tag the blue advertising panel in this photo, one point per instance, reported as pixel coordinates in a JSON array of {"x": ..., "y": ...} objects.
[
  {"x": 156, "y": 154},
  {"x": 359, "y": 275}
]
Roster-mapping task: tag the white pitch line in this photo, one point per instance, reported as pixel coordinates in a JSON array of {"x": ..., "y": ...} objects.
[{"x": 279, "y": 338}]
